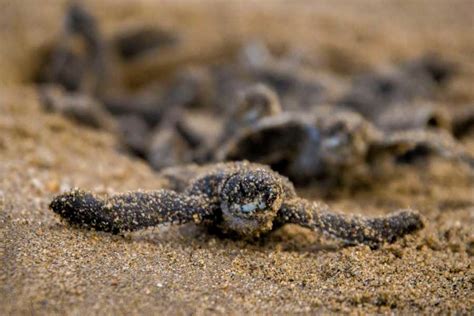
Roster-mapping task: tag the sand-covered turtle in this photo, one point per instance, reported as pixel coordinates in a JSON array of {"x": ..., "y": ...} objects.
[
  {"x": 372, "y": 93},
  {"x": 330, "y": 142},
  {"x": 78, "y": 60},
  {"x": 238, "y": 198}
]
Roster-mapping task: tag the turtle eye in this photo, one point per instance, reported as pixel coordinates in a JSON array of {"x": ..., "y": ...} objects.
[
  {"x": 249, "y": 207},
  {"x": 336, "y": 140},
  {"x": 252, "y": 206},
  {"x": 332, "y": 142}
]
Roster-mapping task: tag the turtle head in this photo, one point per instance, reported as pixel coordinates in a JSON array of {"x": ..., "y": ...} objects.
[
  {"x": 250, "y": 200},
  {"x": 346, "y": 138}
]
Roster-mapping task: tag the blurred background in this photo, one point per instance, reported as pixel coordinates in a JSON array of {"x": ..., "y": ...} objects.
[{"x": 188, "y": 81}]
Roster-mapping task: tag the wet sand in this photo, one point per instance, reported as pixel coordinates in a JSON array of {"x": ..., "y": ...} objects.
[{"x": 48, "y": 267}]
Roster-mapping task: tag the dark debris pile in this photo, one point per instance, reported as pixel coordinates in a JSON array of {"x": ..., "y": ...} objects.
[{"x": 281, "y": 111}]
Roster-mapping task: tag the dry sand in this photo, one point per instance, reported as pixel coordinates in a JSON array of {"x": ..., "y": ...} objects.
[{"x": 48, "y": 267}]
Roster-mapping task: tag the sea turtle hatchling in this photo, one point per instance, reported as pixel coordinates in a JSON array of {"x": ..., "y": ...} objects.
[
  {"x": 238, "y": 198},
  {"x": 331, "y": 142}
]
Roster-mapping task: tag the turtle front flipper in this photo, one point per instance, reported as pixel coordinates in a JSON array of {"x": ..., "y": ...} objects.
[
  {"x": 408, "y": 145},
  {"x": 130, "y": 211},
  {"x": 350, "y": 228}
]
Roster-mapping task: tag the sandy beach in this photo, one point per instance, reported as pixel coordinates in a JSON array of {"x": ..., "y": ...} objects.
[{"x": 48, "y": 267}]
